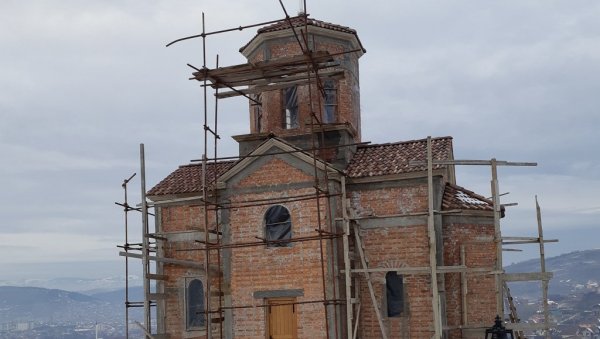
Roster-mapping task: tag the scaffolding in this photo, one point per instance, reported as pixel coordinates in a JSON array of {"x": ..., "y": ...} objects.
[{"x": 310, "y": 68}]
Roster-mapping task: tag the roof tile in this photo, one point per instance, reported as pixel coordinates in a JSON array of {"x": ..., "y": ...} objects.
[
  {"x": 460, "y": 198},
  {"x": 299, "y": 22},
  {"x": 385, "y": 159},
  {"x": 188, "y": 178}
]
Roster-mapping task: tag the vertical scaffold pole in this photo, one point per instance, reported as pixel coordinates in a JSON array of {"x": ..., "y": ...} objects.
[
  {"x": 543, "y": 268},
  {"x": 435, "y": 299},
  {"x": 497, "y": 239},
  {"x": 145, "y": 242},
  {"x": 126, "y": 247},
  {"x": 347, "y": 276}
]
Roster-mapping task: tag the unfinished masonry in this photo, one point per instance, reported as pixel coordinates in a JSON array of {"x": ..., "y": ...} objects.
[{"x": 310, "y": 232}]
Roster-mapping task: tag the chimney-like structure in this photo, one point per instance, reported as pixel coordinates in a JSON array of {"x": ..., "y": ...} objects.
[{"x": 286, "y": 112}]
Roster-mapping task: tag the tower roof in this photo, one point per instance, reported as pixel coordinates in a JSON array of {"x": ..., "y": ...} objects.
[{"x": 299, "y": 22}]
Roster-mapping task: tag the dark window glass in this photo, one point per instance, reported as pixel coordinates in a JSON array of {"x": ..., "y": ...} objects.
[
  {"x": 278, "y": 226},
  {"x": 290, "y": 105},
  {"x": 330, "y": 101},
  {"x": 195, "y": 304},
  {"x": 394, "y": 294}
]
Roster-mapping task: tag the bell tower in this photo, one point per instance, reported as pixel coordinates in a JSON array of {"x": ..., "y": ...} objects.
[{"x": 285, "y": 112}]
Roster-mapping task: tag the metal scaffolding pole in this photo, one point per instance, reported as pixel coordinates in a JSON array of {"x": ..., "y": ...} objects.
[
  {"x": 145, "y": 241},
  {"x": 347, "y": 268}
]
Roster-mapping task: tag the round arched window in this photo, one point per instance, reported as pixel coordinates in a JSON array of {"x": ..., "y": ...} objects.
[
  {"x": 195, "y": 304},
  {"x": 278, "y": 226}
]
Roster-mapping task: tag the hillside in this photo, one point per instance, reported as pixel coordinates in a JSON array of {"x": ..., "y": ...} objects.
[
  {"x": 52, "y": 305},
  {"x": 572, "y": 272}
]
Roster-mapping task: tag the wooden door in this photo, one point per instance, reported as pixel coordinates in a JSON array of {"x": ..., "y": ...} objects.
[{"x": 281, "y": 318}]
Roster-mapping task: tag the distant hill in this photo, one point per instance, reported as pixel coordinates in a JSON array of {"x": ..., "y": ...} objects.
[
  {"x": 77, "y": 284},
  {"x": 136, "y": 293},
  {"x": 53, "y": 305},
  {"x": 573, "y": 271}
]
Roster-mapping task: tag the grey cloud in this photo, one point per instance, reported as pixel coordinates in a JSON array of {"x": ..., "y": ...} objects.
[{"x": 83, "y": 83}]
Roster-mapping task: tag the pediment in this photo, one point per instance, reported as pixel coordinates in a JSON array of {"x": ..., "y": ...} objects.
[{"x": 276, "y": 152}]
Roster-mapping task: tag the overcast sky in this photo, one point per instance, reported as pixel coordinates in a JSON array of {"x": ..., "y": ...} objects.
[{"x": 82, "y": 83}]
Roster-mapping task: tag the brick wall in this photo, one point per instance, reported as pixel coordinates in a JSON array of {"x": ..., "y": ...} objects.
[
  {"x": 480, "y": 252},
  {"x": 262, "y": 268},
  {"x": 185, "y": 221},
  {"x": 398, "y": 245},
  {"x": 395, "y": 246}
]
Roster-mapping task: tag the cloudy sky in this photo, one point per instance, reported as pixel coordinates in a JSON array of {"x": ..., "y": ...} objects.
[{"x": 82, "y": 83}]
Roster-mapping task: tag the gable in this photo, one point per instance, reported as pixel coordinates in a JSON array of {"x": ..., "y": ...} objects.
[
  {"x": 272, "y": 170},
  {"x": 280, "y": 162}
]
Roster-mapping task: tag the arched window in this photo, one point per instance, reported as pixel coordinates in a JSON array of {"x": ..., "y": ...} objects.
[
  {"x": 195, "y": 316},
  {"x": 278, "y": 226},
  {"x": 329, "y": 101},
  {"x": 290, "y": 107},
  {"x": 394, "y": 287}
]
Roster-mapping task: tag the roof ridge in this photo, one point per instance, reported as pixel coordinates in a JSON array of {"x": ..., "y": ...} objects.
[
  {"x": 405, "y": 142},
  {"x": 299, "y": 20},
  {"x": 210, "y": 163}
]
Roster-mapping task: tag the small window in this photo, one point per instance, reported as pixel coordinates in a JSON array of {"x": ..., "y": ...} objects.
[
  {"x": 394, "y": 287},
  {"x": 329, "y": 101},
  {"x": 256, "y": 111},
  {"x": 278, "y": 226},
  {"x": 290, "y": 107},
  {"x": 195, "y": 315}
]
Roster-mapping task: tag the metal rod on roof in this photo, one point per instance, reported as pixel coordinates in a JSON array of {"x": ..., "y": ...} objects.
[
  {"x": 239, "y": 28},
  {"x": 289, "y": 20}
]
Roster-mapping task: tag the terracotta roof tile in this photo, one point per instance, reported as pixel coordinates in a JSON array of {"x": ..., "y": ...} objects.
[
  {"x": 299, "y": 22},
  {"x": 188, "y": 178},
  {"x": 460, "y": 198},
  {"x": 385, "y": 159}
]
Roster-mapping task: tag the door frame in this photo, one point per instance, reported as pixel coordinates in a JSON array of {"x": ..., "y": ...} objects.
[{"x": 275, "y": 301}]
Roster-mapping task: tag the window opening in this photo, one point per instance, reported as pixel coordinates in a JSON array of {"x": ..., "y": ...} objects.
[
  {"x": 257, "y": 111},
  {"x": 330, "y": 101},
  {"x": 394, "y": 294},
  {"x": 195, "y": 318},
  {"x": 278, "y": 226},
  {"x": 290, "y": 105}
]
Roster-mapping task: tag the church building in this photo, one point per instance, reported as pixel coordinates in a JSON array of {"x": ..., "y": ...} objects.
[{"x": 312, "y": 232}]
